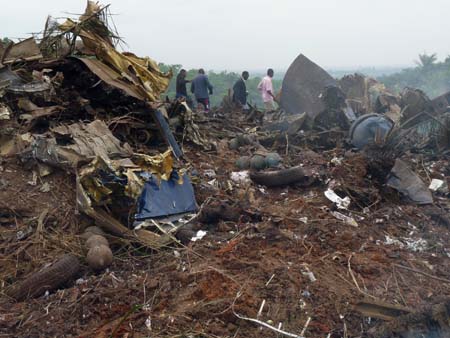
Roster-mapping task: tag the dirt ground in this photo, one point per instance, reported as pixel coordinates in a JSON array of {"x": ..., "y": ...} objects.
[{"x": 286, "y": 250}]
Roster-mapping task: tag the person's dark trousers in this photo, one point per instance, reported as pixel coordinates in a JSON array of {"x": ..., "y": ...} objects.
[{"x": 204, "y": 102}]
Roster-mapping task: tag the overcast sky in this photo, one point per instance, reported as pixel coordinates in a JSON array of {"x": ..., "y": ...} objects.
[{"x": 256, "y": 34}]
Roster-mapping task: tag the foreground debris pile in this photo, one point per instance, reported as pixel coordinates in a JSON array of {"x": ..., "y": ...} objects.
[{"x": 124, "y": 217}]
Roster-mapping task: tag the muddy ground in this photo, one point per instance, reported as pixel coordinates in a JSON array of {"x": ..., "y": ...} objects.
[{"x": 286, "y": 249}]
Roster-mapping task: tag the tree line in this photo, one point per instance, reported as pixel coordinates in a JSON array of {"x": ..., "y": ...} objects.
[{"x": 429, "y": 75}]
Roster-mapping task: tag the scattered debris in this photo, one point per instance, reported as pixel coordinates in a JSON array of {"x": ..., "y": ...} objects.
[
  {"x": 96, "y": 169},
  {"x": 198, "y": 236},
  {"x": 438, "y": 186},
  {"x": 403, "y": 179},
  {"x": 346, "y": 219},
  {"x": 341, "y": 203}
]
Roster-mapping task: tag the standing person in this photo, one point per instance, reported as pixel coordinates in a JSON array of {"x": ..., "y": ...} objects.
[
  {"x": 266, "y": 89},
  {"x": 201, "y": 88},
  {"x": 181, "y": 90},
  {"x": 240, "y": 91}
]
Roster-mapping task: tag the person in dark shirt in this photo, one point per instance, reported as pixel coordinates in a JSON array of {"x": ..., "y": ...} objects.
[
  {"x": 181, "y": 90},
  {"x": 201, "y": 88},
  {"x": 240, "y": 91}
]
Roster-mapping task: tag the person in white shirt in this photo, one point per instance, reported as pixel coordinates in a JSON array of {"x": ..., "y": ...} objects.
[{"x": 266, "y": 89}]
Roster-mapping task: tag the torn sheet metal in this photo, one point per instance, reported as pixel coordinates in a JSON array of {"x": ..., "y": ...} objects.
[
  {"x": 118, "y": 185},
  {"x": 40, "y": 112},
  {"x": 302, "y": 86},
  {"x": 105, "y": 180},
  {"x": 77, "y": 142},
  {"x": 140, "y": 75},
  {"x": 11, "y": 82},
  {"x": 356, "y": 89},
  {"x": 415, "y": 102},
  {"x": 404, "y": 180},
  {"x": 192, "y": 131},
  {"x": 25, "y": 50},
  {"x": 160, "y": 165},
  {"x": 111, "y": 77},
  {"x": 163, "y": 198},
  {"x": 441, "y": 104}
]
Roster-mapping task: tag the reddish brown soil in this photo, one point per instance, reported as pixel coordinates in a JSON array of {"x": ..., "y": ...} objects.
[{"x": 263, "y": 257}]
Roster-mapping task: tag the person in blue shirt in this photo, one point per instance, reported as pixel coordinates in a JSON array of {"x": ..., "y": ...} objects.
[{"x": 201, "y": 88}]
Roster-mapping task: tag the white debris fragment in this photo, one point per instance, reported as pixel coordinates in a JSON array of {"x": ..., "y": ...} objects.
[
  {"x": 240, "y": 176},
  {"x": 416, "y": 245},
  {"x": 393, "y": 241},
  {"x": 304, "y": 220},
  {"x": 336, "y": 160},
  {"x": 210, "y": 173},
  {"x": 33, "y": 181},
  {"x": 447, "y": 253},
  {"x": 437, "y": 185},
  {"x": 213, "y": 182},
  {"x": 310, "y": 275},
  {"x": 198, "y": 236},
  {"x": 45, "y": 187},
  {"x": 341, "y": 203},
  {"x": 148, "y": 323},
  {"x": 346, "y": 219},
  {"x": 5, "y": 112}
]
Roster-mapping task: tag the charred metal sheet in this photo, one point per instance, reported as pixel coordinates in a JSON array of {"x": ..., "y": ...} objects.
[
  {"x": 26, "y": 50},
  {"x": 302, "y": 87},
  {"x": 406, "y": 181},
  {"x": 75, "y": 143},
  {"x": 110, "y": 77},
  {"x": 415, "y": 102},
  {"x": 441, "y": 104},
  {"x": 13, "y": 83},
  {"x": 141, "y": 74}
]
